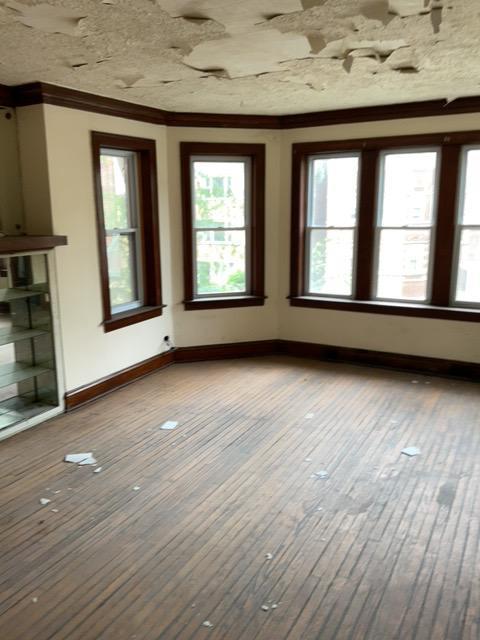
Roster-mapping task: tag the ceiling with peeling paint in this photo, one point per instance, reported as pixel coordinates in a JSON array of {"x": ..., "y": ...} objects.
[{"x": 246, "y": 56}]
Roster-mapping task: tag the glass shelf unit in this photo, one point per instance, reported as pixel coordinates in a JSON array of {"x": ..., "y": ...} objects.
[{"x": 28, "y": 379}]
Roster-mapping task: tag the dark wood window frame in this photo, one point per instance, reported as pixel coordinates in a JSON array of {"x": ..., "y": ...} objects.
[
  {"x": 439, "y": 306},
  {"x": 149, "y": 228},
  {"x": 256, "y": 154}
]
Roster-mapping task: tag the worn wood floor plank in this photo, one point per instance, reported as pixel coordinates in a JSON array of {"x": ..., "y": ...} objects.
[{"x": 385, "y": 548}]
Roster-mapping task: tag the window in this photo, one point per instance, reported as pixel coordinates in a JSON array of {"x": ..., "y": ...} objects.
[
  {"x": 331, "y": 224},
  {"x": 376, "y": 226},
  {"x": 406, "y": 208},
  {"x": 127, "y": 214},
  {"x": 223, "y": 204},
  {"x": 467, "y": 286}
]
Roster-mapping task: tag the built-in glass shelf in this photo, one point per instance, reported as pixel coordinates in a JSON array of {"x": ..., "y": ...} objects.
[
  {"x": 28, "y": 376},
  {"x": 7, "y": 295},
  {"x": 15, "y": 334},
  {"x": 13, "y": 372},
  {"x": 17, "y": 409}
]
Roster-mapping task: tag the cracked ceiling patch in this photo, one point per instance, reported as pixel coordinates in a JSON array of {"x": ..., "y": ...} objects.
[
  {"x": 245, "y": 56},
  {"x": 47, "y": 18}
]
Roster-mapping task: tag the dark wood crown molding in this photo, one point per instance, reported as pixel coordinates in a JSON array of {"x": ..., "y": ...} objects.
[
  {"x": 43, "y": 92},
  {"x": 424, "y": 109},
  {"x": 223, "y": 120},
  {"x": 6, "y": 96}
]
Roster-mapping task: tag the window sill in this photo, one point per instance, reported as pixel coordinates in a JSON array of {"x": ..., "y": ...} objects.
[
  {"x": 388, "y": 308},
  {"x": 224, "y": 303},
  {"x": 120, "y": 320}
]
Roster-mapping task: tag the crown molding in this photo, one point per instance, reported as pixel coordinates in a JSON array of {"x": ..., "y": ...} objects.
[
  {"x": 45, "y": 93},
  {"x": 424, "y": 109},
  {"x": 6, "y": 96}
]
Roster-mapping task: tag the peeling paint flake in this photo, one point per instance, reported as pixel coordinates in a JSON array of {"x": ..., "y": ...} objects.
[
  {"x": 250, "y": 53},
  {"x": 403, "y": 60},
  {"x": 48, "y": 18},
  {"x": 234, "y": 15}
]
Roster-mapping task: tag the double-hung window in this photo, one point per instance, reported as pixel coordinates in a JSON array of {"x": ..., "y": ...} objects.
[
  {"x": 331, "y": 224},
  {"x": 122, "y": 231},
  {"x": 223, "y": 192},
  {"x": 388, "y": 225},
  {"x": 467, "y": 250},
  {"x": 127, "y": 215},
  {"x": 405, "y": 220}
]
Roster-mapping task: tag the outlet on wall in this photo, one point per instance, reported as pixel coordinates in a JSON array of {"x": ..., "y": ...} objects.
[{"x": 167, "y": 342}]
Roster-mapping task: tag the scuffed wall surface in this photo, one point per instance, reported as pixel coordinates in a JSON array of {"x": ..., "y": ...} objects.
[
  {"x": 398, "y": 334},
  {"x": 11, "y": 204},
  {"x": 215, "y": 326},
  {"x": 249, "y": 56},
  {"x": 89, "y": 353}
]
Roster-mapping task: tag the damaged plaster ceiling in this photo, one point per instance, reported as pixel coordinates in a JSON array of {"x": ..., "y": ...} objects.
[{"x": 246, "y": 56}]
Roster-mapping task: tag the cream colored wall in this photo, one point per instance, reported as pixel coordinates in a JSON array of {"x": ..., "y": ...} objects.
[
  {"x": 89, "y": 352},
  {"x": 11, "y": 203},
  {"x": 225, "y": 325},
  {"x": 59, "y": 194},
  {"x": 417, "y": 336},
  {"x": 34, "y": 169}
]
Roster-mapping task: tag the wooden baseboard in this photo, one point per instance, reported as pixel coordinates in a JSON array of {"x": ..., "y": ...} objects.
[
  {"x": 329, "y": 353},
  {"x": 398, "y": 361},
  {"x": 225, "y": 351},
  {"x": 94, "y": 390}
]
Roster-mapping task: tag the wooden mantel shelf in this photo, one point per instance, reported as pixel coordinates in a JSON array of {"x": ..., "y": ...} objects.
[{"x": 16, "y": 244}]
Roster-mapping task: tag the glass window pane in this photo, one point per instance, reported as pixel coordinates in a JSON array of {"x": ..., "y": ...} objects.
[
  {"x": 408, "y": 189},
  {"x": 403, "y": 264},
  {"x": 471, "y": 204},
  {"x": 121, "y": 269},
  {"x": 331, "y": 260},
  {"x": 468, "y": 278},
  {"x": 333, "y": 199},
  {"x": 219, "y": 194},
  {"x": 220, "y": 262},
  {"x": 115, "y": 190}
]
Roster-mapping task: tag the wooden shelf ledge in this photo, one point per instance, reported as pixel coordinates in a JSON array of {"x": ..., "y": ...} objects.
[{"x": 18, "y": 244}]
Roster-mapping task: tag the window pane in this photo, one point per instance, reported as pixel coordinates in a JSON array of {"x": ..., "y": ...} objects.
[
  {"x": 471, "y": 205},
  {"x": 121, "y": 269},
  {"x": 408, "y": 189},
  {"x": 115, "y": 190},
  {"x": 219, "y": 194},
  {"x": 331, "y": 259},
  {"x": 333, "y": 192},
  {"x": 403, "y": 264},
  {"x": 220, "y": 261},
  {"x": 468, "y": 279}
]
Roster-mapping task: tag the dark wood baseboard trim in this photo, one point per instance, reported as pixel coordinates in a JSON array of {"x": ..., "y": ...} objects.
[
  {"x": 43, "y": 92},
  {"x": 397, "y": 361},
  {"x": 225, "y": 351},
  {"x": 327, "y": 353},
  {"x": 87, "y": 393}
]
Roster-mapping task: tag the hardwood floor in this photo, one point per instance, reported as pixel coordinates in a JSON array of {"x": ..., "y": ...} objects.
[{"x": 385, "y": 548}]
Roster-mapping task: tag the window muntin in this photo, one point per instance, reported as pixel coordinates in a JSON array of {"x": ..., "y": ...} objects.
[
  {"x": 405, "y": 222},
  {"x": 220, "y": 225},
  {"x": 467, "y": 263},
  {"x": 120, "y": 199},
  {"x": 330, "y": 231}
]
